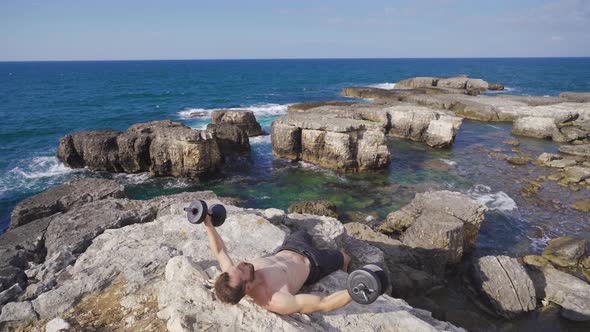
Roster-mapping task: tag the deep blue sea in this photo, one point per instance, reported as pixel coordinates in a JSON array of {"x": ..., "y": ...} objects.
[{"x": 42, "y": 101}]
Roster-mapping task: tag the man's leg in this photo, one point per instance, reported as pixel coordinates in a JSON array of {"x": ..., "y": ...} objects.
[{"x": 328, "y": 261}]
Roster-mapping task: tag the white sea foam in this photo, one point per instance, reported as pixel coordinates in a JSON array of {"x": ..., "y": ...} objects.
[
  {"x": 495, "y": 127},
  {"x": 41, "y": 167},
  {"x": 38, "y": 173},
  {"x": 448, "y": 162},
  {"x": 499, "y": 201},
  {"x": 260, "y": 139},
  {"x": 385, "y": 86},
  {"x": 135, "y": 178},
  {"x": 506, "y": 90},
  {"x": 261, "y": 110}
]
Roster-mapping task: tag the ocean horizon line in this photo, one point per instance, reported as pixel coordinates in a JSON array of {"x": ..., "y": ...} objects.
[{"x": 285, "y": 59}]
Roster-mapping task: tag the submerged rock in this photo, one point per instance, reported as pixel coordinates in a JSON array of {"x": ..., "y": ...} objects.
[
  {"x": 164, "y": 148},
  {"x": 63, "y": 198},
  {"x": 318, "y": 208},
  {"x": 243, "y": 119},
  {"x": 505, "y": 284}
]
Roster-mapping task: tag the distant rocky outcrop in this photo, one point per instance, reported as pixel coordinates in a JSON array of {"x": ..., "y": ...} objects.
[
  {"x": 243, "y": 119},
  {"x": 461, "y": 82},
  {"x": 563, "y": 119},
  {"x": 155, "y": 272},
  {"x": 164, "y": 148}
]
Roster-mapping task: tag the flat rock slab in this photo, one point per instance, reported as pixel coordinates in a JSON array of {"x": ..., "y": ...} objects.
[
  {"x": 565, "y": 251},
  {"x": 63, "y": 198},
  {"x": 569, "y": 292},
  {"x": 505, "y": 284},
  {"x": 576, "y": 150}
]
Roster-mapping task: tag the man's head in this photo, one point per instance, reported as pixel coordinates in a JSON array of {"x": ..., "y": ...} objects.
[{"x": 233, "y": 284}]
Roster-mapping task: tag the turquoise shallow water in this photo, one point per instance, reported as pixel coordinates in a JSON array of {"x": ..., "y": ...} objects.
[{"x": 42, "y": 101}]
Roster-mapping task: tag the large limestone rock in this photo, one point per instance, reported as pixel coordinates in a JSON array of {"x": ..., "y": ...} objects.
[
  {"x": 436, "y": 128},
  {"x": 63, "y": 198},
  {"x": 539, "y": 127},
  {"x": 168, "y": 259},
  {"x": 565, "y": 251},
  {"x": 414, "y": 272},
  {"x": 505, "y": 284},
  {"x": 439, "y": 226},
  {"x": 244, "y": 119},
  {"x": 230, "y": 138},
  {"x": 342, "y": 144},
  {"x": 164, "y": 148},
  {"x": 569, "y": 292},
  {"x": 461, "y": 82},
  {"x": 437, "y": 204}
]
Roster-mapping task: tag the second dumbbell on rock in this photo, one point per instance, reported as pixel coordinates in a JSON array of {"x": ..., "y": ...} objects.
[
  {"x": 198, "y": 211},
  {"x": 366, "y": 284}
]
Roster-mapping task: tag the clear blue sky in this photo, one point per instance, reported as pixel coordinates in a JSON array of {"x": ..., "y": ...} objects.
[{"x": 222, "y": 29}]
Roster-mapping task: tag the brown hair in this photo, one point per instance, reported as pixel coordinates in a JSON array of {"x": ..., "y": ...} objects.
[{"x": 225, "y": 292}]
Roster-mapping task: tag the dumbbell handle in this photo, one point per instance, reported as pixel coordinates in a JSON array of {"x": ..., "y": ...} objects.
[
  {"x": 188, "y": 209},
  {"x": 361, "y": 288}
]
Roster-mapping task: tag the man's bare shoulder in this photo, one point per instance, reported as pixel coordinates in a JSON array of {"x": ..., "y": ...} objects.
[{"x": 277, "y": 301}]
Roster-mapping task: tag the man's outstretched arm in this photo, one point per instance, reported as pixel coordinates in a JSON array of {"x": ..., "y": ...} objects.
[
  {"x": 217, "y": 246},
  {"x": 286, "y": 304}
]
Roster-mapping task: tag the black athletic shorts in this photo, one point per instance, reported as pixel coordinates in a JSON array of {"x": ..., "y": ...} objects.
[{"x": 322, "y": 262}]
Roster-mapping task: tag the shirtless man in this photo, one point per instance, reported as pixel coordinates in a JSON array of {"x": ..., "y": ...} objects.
[{"x": 273, "y": 281}]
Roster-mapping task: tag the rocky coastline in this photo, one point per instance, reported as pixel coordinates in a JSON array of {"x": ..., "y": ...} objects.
[{"x": 84, "y": 254}]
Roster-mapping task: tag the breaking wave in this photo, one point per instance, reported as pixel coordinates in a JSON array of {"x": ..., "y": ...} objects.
[
  {"x": 499, "y": 201},
  {"x": 385, "y": 86},
  {"x": 259, "y": 110}
]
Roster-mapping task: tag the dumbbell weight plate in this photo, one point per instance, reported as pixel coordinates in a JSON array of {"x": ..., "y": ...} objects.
[
  {"x": 218, "y": 215},
  {"x": 381, "y": 274},
  {"x": 196, "y": 212},
  {"x": 364, "y": 286}
]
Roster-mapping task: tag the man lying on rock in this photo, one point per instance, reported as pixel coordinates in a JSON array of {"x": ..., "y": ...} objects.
[{"x": 273, "y": 281}]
